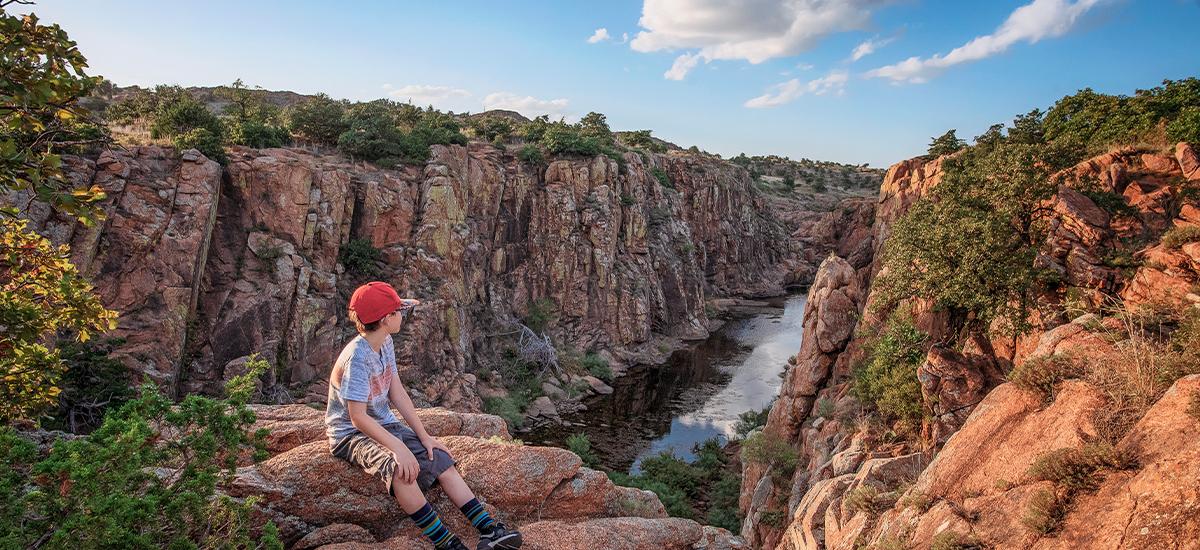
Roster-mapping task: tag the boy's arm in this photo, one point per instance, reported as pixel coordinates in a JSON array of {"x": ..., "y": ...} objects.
[
  {"x": 407, "y": 463},
  {"x": 399, "y": 397}
]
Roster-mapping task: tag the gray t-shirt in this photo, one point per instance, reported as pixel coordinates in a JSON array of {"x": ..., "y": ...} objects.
[{"x": 366, "y": 377}]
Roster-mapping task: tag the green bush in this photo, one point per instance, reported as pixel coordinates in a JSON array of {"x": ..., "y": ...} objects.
[
  {"x": 93, "y": 384},
  {"x": 887, "y": 378},
  {"x": 1088, "y": 123},
  {"x": 390, "y": 133},
  {"x": 1186, "y": 126},
  {"x": 41, "y": 294},
  {"x": 106, "y": 490},
  {"x": 531, "y": 154},
  {"x": 862, "y": 499},
  {"x": 511, "y": 408},
  {"x": 950, "y": 540},
  {"x": 597, "y": 366},
  {"x": 1180, "y": 235},
  {"x": 258, "y": 135},
  {"x": 770, "y": 451},
  {"x": 661, "y": 175},
  {"x": 673, "y": 471},
  {"x": 750, "y": 420},
  {"x": 540, "y": 315},
  {"x": 582, "y": 446},
  {"x": 673, "y": 499},
  {"x": 360, "y": 256},
  {"x": 1041, "y": 375}
]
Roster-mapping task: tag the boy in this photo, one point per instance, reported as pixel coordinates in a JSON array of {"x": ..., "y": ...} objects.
[{"x": 363, "y": 430}]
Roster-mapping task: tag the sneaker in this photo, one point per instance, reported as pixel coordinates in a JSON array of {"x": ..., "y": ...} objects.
[
  {"x": 501, "y": 538},
  {"x": 457, "y": 545}
]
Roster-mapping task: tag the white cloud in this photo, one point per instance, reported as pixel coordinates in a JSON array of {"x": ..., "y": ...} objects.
[
  {"x": 869, "y": 47},
  {"x": 805, "y": 66},
  {"x": 600, "y": 35},
  {"x": 751, "y": 30},
  {"x": 682, "y": 65},
  {"x": 624, "y": 37},
  {"x": 526, "y": 105},
  {"x": 786, "y": 92},
  {"x": 1029, "y": 23},
  {"x": 421, "y": 94}
]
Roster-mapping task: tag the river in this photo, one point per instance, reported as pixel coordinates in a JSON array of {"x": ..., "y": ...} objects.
[{"x": 696, "y": 395}]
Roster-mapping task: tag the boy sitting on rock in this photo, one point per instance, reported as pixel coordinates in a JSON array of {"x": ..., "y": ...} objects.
[{"x": 363, "y": 430}]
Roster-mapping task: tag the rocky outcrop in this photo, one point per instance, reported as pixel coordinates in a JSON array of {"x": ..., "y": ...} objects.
[{"x": 316, "y": 499}]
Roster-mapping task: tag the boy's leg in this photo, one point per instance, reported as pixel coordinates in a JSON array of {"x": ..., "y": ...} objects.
[
  {"x": 413, "y": 502},
  {"x": 492, "y": 534}
]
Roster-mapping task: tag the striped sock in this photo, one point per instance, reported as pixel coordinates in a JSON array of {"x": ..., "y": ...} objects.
[
  {"x": 431, "y": 525},
  {"x": 478, "y": 516}
]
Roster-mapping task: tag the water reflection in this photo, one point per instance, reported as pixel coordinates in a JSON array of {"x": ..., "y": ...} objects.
[{"x": 697, "y": 394}]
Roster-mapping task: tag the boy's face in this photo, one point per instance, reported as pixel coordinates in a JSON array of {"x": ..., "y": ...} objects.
[{"x": 392, "y": 322}]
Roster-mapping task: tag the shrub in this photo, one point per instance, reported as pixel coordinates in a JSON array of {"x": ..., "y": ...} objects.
[
  {"x": 1180, "y": 235},
  {"x": 258, "y": 135},
  {"x": 359, "y": 256},
  {"x": 674, "y": 500},
  {"x": 93, "y": 383},
  {"x": 490, "y": 127},
  {"x": 825, "y": 408},
  {"x": 862, "y": 499},
  {"x": 540, "y": 315},
  {"x": 673, "y": 471},
  {"x": 950, "y": 540},
  {"x": 1079, "y": 469},
  {"x": 750, "y": 420},
  {"x": 582, "y": 446},
  {"x": 511, "y": 408},
  {"x": 597, "y": 366},
  {"x": 916, "y": 500},
  {"x": 389, "y": 133},
  {"x": 1185, "y": 127},
  {"x": 204, "y": 140},
  {"x": 531, "y": 154},
  {"x": 770, "y": 451},
  {"x": 888, "y": 377},
  {"x": 1040, "y": 375},
  {"x": 107, "y": 489},
  {"x": 661, "y": 175},
  {"x": 819, "y": 186},
  {"x": 1044, "y": 513}
]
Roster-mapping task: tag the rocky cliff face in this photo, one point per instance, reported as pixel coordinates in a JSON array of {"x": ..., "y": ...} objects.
[
  {"x": 208, "y": 265},
  {"x": 853, "y": 489}
]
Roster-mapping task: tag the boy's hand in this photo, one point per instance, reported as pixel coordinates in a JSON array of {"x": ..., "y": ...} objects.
[
  {"x": 406, "y": 465},
  {"x": 432, "y": 443}
]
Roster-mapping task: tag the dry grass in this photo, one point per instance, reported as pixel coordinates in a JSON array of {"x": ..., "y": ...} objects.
[
  {"x": 1080, "y": 469},
  {"x": 862, "y": 499},
  {"x": 1041, "y": 375},
  {"x": 1045, "y": 512},
  {"x": 950, "y": 540},
  {"x": 1157, "y": 346}
]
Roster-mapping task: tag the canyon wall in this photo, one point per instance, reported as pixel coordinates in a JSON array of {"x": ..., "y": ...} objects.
[
  {"x": 209, "y": 264},
  {"x": 968, "y": 482}
]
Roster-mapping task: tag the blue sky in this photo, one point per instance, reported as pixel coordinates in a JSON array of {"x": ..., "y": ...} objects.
[{"x": 766, "y": 76}]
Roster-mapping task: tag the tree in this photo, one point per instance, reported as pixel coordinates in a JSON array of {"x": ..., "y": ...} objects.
[
  {"x": 945, "y": 144},
  {"x": 969, "y": 247},
  {"x": 41, "y": 80},
  {"x": 595, "y": 126},
  {"x": 1027, "y": 128},
  {"x": 320, "y": 119},
  {"x": 252, "y": 121},
  {"x": 41, "y": 293}
]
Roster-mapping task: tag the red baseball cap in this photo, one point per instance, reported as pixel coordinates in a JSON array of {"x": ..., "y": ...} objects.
[{"x": 373, "y": 301}]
